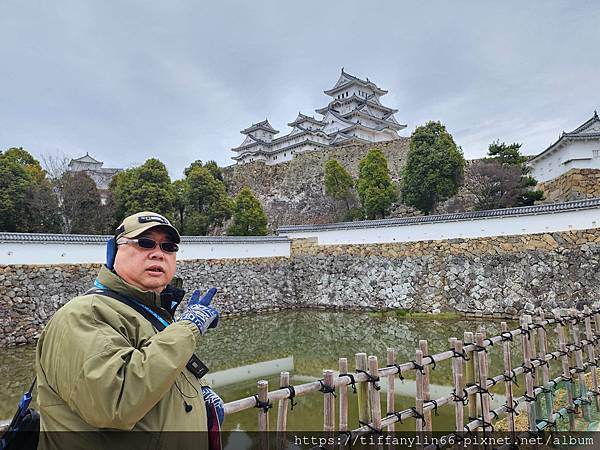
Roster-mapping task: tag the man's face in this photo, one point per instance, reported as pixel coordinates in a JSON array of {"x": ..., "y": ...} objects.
[{"x": 147, "y": 269}]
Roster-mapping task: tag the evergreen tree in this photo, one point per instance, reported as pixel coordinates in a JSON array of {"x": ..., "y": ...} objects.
[
  {"x": 510, "y": 155},
  {"x": 434, "y": 167},
  {"x": 249, "y": 219},
  {"x": 374, "y": 185},
  {"x": 144, "y": 188},
  {"x": 338, "y": 182},
  {"x": 27, "y": 202},
  {"x": 207, "y": 203}
]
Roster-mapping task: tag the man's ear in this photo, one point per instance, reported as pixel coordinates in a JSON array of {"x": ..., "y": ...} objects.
[{"x": 111, "y": 252}]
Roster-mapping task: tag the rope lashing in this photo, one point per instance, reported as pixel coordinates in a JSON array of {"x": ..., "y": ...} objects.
[
  {"x": 479, "y": 348},
  {"x": 370, "y": 427},
  {"x": 397, "y": 414},
  {"x": 435, "y": 406},
  {"x": 535, "y": 326},
  {"x": 417, "y": 415},
  {"x": 512, "y": 409},
  {"x": 398, "y": 369},
  {"x": 494, "y": 413},
  {"x": 489, "y": 341},
  {"x": 528, "y": 398},
  {"x": 528, "y": 369},
  {"x": 370, "y": 379},
  {"x": 481, "y": 391},
  {"x": 506, "y": 336},
  {"x": 577, "y": 369},
  {"x": 544, "y": 389},
  {"x": 542, "y": 362},
  {"x": 292, "y": 394},
  {"x": 512, "y": 377},
  {"x": 418, "y": 367},
  {"x": 456, "y": 354},
  {"x": 352, "y": 380},
  {"x": 525, "y": 331},
  {"x": 326, "y": 389},
  {"x": 265, "y": 406},
  {"x": 464, "y": 399},
  {"x": 432, "y": 361},
  {"x": 493, "y": 381}
]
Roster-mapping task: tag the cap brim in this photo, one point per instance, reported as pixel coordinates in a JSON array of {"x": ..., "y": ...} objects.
[{"x": 168, "y": 228}]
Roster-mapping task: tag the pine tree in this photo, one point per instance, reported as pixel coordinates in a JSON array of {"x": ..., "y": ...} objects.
[
  {"x": 338, "y": 182},
  {"x": 434, "y": 167},
  {"x": 249, "y": 219},
  {"x": 375, "y": 188}
]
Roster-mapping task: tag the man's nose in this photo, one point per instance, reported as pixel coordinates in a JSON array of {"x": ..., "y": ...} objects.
[{"x": 156, "y": 253}]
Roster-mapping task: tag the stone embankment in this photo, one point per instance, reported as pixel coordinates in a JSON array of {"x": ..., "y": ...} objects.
[
  {"x": 504, "y": 275},
  {"x": 576, "y": 184},
  {"x": 293, "y": 192}
]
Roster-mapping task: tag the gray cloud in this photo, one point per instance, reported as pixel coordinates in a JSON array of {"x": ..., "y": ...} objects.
[{"x": 130, "y": 80}]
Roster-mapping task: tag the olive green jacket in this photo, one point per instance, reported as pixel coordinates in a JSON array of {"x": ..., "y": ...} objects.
[{"x": 102, "y": 365}]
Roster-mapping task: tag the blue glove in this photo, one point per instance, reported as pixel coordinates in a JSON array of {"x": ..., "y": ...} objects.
[
  {"x": 200, "y": 313},
  {"x": 211, "y": 398}
]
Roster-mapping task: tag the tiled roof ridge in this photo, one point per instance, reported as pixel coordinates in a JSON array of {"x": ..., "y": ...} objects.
[{"x": 546, "y": 208}]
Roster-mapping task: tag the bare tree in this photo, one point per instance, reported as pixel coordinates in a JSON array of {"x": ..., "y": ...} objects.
[
  {"x": 491, "y": 185},
  {"x": 55, "y": 164}
]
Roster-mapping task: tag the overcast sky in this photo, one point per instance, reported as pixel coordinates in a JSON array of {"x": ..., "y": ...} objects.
[{"x": 128, "y": 80}]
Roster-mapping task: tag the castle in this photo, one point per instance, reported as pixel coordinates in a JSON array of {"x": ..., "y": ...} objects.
[
  {"x": 354, "y": 115},
  {"x": 101, "y": 175}
]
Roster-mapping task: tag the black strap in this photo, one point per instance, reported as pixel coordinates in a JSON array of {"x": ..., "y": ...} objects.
[{"x": 194, "y": 365}]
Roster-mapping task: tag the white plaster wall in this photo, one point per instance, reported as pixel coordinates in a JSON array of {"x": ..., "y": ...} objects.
[
  {"x": 552, "y": 166},
  {"x": 475, "y": 228},
  {"x": 81, "y": 253}
]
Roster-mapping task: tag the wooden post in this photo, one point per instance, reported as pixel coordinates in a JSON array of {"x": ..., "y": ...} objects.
[
  {"x": 391, "y": 389},
  {"x": 426, "y": 394},
  {"x": 328, "y": 405},
  {"x": 580, "y": 371},
  {"x": 565, "y": 366},
  {"x": 589, "y": 335},
  {"x": 362, "y": 391},
  {"x": 508, "y": 385},
  {"x": 284, "y": 380},
  {"x": 525, "y": 320},
  {"x": 343, "y": 393},
  {"x": 470, "y": 374},
  {"x": 545, "y": 370},
  {"x": 263, "y": 415},
  {"x": 374, "y": 393},
  {"x": 483, "y": 375},
  {"x": 420, "y": 426},
  {"x": 537, "y": 411},
  {"x": 457, "y": 378}
]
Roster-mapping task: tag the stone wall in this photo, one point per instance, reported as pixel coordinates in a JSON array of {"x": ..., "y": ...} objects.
[
  {"x": 576, "y": 184},
  {"x": 293, "y": 192},
  {"x": 504, "y": 275}
]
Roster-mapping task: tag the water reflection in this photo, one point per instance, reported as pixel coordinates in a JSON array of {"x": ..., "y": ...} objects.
[{"x": 314, "y": 339}]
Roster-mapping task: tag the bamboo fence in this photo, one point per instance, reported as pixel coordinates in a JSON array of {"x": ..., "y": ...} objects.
[{"x": 576, "y": 355}]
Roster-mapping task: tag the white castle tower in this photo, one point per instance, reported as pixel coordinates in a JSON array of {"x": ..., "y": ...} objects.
[{"x": 354, "y": 115}]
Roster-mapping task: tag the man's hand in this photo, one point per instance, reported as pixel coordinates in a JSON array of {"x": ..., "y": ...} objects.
[
  {"x": 200, "y": 313},
  {"x": 211, "y": 398}
]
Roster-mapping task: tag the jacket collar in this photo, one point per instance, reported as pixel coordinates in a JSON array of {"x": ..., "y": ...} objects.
[{"x": 115, "y": 283}]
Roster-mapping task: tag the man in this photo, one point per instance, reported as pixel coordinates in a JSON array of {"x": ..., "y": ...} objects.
[{"x": 101, "y": 364}]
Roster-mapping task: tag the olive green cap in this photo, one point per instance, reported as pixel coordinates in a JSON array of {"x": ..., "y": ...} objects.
[{"x": 134, "y": 225}]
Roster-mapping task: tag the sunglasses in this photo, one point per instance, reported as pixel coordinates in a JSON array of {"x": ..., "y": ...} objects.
[{"x": 147, "y": 243}]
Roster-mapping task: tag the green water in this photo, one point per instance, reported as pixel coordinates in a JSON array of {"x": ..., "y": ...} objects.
[{"x": 315, "y": 340}]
